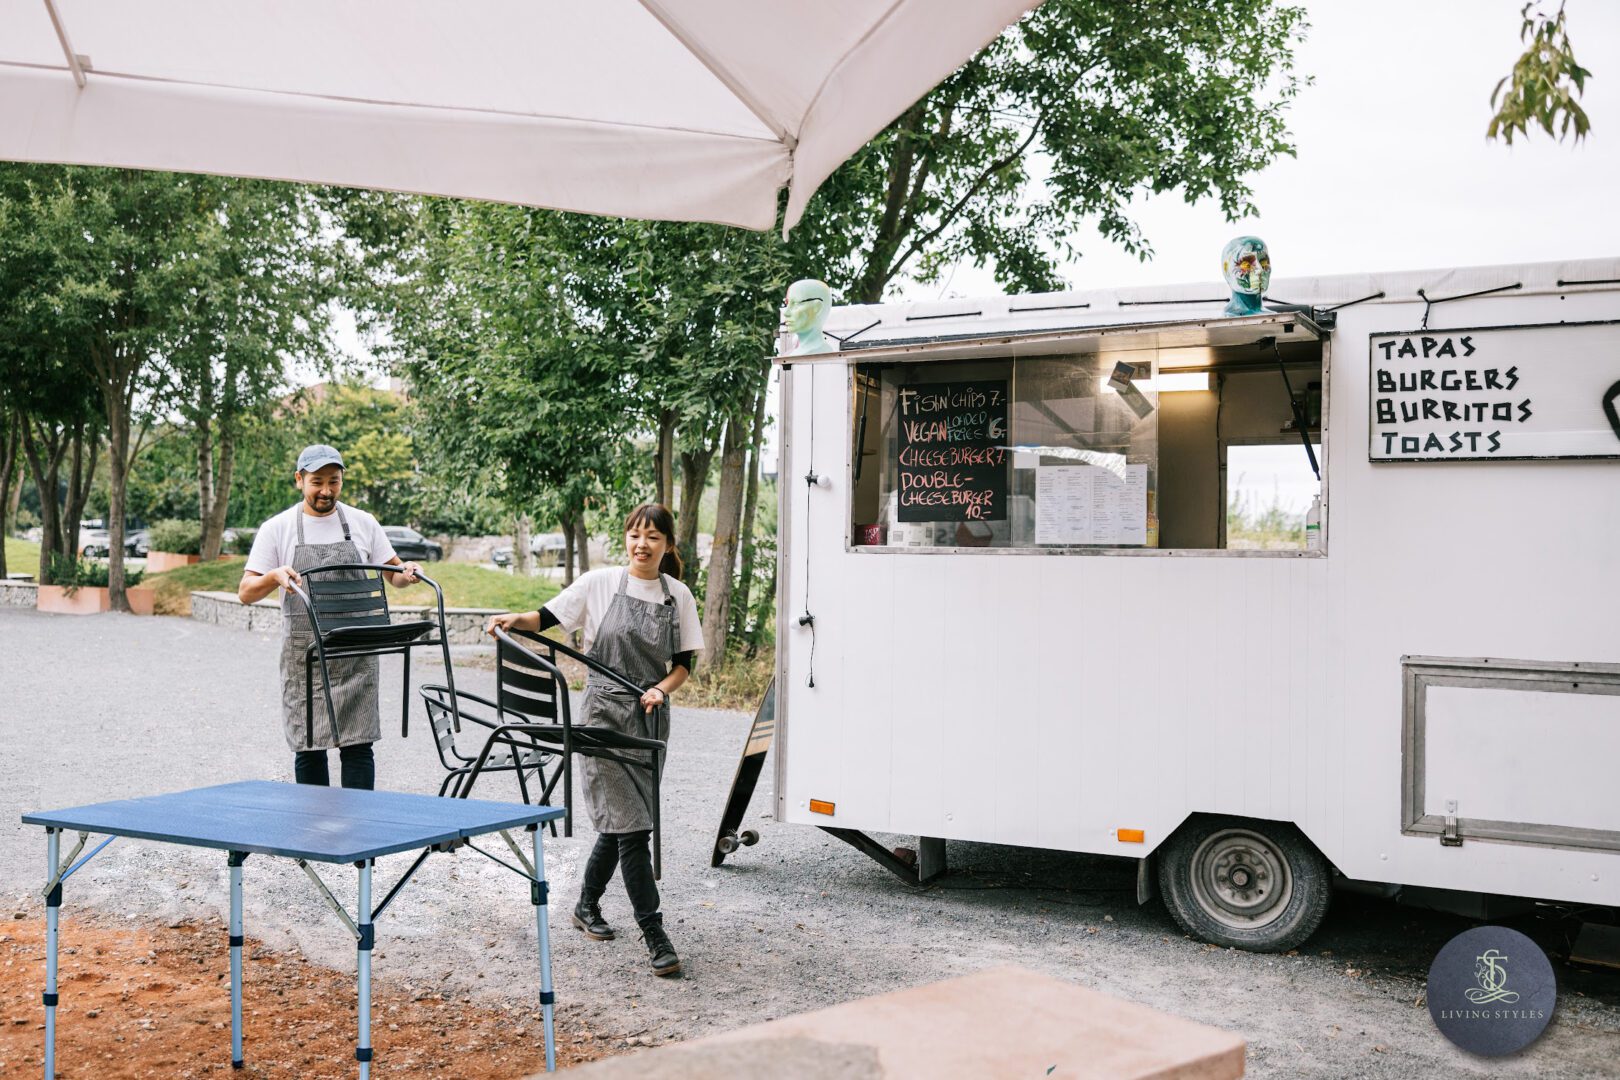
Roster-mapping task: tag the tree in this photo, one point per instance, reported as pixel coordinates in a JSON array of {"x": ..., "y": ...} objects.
[
  {"x": 1113, "y": 99},
  {"x": 52, "y": 411},
  {"x": 260, "y": 296},
  {"x": 1544, "y": 83}
]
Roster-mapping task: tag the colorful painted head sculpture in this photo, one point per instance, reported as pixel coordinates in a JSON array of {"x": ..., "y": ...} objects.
[
  {"x": 808, "y": 303},
  {"x": 1246, "y": 265}
]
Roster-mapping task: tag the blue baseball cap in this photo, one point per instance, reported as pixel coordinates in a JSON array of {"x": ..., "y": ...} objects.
[{"x": 318, "y": 457}]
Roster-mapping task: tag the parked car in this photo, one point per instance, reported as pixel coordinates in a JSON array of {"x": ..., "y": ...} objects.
[
  {"x": 96, "y": 542},
  {"x": 547, "y": 548},
  {"x": 412, "y": 545}
]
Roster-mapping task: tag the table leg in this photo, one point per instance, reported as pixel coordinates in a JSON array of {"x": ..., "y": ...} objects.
[
  {"x": 235, "y": 859},
  {"x": 542, "y": 921},
  {"x": 367, "y": 928},
  {"x": 53, "y": 904}
]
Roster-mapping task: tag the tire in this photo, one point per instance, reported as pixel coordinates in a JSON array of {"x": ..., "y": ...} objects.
[{"x": 1255, "y": 885}]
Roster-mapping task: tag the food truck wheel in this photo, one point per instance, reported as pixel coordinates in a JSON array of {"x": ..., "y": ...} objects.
[{"x": 1256, "y": 885}]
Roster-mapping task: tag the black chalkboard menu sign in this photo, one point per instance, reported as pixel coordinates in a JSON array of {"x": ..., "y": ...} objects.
[{"x": 953, "y": 451}]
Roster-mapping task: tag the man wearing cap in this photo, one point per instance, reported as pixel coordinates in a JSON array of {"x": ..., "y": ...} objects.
[{"x": 320, "y": 531}]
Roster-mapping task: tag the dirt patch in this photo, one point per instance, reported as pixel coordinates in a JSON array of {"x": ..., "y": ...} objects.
[{"x": 147, "y": 1001}]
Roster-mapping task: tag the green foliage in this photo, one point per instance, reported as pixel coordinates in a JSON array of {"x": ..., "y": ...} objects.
[
  {"x": 1270, "y": 527},
  {"x": 1544, "y": 83},
  {"x": 176, "y": 537},
  {"x": 1113, "y": 100},
  {"x": 76, "y": 574},
  {"x": 370, "y": 427},
  {"x": 241, "y": 542}
]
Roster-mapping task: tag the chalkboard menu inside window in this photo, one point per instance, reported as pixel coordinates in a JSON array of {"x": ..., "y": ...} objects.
[{"x": 953, "y": 451}]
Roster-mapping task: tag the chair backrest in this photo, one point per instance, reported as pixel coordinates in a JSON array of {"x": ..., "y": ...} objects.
[
  {"x": 347, "y": 597},
  {"x": 440, "y": 717},
  {"x": 522, "y": 686}
]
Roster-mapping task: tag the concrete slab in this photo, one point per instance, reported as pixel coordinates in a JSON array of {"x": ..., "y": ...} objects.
[{"x": 1006, "y": 1021}]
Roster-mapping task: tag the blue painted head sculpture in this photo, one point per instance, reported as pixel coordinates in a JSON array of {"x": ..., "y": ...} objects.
[
  {"x": 808, "y": 303},
  {"x": 1246, "y": 265}
]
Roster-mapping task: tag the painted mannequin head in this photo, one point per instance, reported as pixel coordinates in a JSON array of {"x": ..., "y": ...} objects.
[
  {"x": 808, "y": 302},
  {"x": 1246, "y": 265}
]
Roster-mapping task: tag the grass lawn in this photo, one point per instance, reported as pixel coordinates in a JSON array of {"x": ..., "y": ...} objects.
[
  {"x": 22, "y": 556},
  {"x": 464, "y": 585}
]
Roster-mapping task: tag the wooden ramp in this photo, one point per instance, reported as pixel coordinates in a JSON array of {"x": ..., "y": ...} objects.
[{"x": 1005, "y": 1022}]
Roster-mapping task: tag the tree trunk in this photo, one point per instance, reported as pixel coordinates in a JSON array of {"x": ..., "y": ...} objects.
[
  {"x": 10, "y": 445},
  {"x": 582, "y": 543},
  {"x": 78, "y": 492},
  {"x": 205, "y": 473},
  {"x": 522, "y": 557},
  {"x": 567, "y": 523},
  {"x": 46, "y": 470},
  {"x": 118, "y": 422},
  {"x": 213, "y": 513},
  {"x": 723, "y": 556},
  {"x": 664, "y": 460},
  {"x": 745, "y": 579},
  {"x": 694, "y": 477}
]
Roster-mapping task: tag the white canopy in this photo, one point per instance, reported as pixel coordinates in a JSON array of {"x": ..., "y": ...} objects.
[{"x": 676, "y": 109}]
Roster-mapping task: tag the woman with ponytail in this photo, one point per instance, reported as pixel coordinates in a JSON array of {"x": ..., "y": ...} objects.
[{"x": 642, "y": 622}]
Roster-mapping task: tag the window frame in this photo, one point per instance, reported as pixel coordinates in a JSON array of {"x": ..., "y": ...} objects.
[{"x": 1127, "y": 338}]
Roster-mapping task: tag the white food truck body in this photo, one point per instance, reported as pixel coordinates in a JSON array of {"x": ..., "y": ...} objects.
[{"x": 1432, "y": 696}]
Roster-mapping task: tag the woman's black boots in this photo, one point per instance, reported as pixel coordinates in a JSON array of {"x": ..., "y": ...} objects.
[
  {"x": 588, "y": 917},
  {"x": 659, "y": 948}
]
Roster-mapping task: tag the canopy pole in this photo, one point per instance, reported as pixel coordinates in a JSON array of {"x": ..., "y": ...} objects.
[{"x": 75, "y": 62}]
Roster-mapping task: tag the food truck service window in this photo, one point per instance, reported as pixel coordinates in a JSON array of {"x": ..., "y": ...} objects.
[{"x": 1118, "y": 450}]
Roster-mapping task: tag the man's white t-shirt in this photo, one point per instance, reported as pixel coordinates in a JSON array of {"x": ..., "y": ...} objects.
[
  {"x": 586, "y": 601},
  {"x": 273, "y": 544}
]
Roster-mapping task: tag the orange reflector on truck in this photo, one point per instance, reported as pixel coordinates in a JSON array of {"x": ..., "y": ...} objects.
[
  {"x": 821, "y": 806},
  {"x": 1132, "y": 836}
]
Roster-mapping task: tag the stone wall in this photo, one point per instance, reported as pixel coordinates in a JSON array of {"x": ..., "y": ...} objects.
[
  {"x": 464, "y": 625},
  {"x": 18, "y": 593}
]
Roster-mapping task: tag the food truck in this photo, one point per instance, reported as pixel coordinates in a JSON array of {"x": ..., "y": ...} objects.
[{"x": 1010, "y": 610}]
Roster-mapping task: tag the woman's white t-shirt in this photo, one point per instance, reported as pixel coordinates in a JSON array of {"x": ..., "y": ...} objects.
[{"x": 585, "y": 603}]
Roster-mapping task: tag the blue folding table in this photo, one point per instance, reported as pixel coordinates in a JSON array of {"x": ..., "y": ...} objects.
[{"x": 306, "y": 824}]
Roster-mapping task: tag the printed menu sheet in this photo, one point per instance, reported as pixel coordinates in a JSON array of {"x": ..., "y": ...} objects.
[{"x": 1085, "y": 504}]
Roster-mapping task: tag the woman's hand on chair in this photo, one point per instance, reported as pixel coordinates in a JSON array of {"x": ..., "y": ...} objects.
[
  {"x": 285, "y": 576},
  {"x": 653, "y": 698},
  {"x": 502, "y": 622}
]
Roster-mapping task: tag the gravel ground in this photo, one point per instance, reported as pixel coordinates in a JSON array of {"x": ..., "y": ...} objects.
[{"x": 112, "y": 706}]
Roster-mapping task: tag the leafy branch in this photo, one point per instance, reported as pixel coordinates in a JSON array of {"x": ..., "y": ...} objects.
[{"x": 1544, "y": 84}]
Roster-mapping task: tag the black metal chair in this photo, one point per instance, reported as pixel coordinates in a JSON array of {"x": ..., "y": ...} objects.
[
  {"x": 525, "y": 693},
  {"x": 347, "y": 604},
  {"x": 528, "y": 678}
]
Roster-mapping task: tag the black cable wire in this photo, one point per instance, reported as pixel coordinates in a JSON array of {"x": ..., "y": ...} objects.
[
  {"x": 810, "y": 478},
  {"x": 1429, "y": 302}
]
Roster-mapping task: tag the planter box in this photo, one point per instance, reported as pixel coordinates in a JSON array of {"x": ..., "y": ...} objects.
[
  {"x": 159, "y": 561},
  {"x": 88, "y": 601}
]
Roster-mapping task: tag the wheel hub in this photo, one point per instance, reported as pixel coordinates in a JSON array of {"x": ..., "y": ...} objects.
[{"x": 1241, "y": 879}]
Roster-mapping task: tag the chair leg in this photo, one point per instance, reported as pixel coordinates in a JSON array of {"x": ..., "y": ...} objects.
[
  {"x": 405, "y": 704},
  {"x": 657, "y": 804},
  {"x": 309, "y": 702},
  {"x": 568, "y": 779}
]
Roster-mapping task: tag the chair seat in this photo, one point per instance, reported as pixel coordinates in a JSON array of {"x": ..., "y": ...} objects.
[{"x": 346, "y": 637}]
